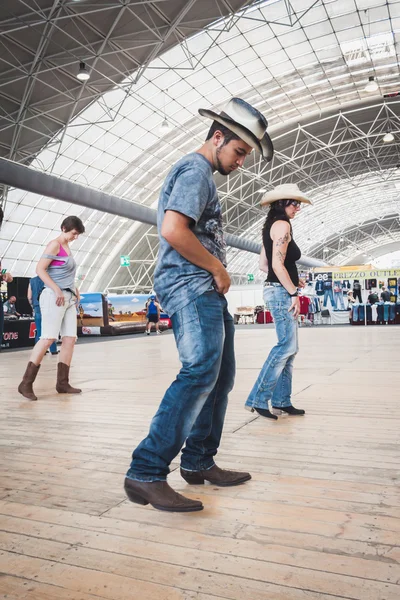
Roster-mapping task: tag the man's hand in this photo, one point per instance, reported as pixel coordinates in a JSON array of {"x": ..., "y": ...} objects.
[
  {"x": 295, "y": 306},
  {"x": 7, "y": 277},
  {"x": 222, "y": 280}
]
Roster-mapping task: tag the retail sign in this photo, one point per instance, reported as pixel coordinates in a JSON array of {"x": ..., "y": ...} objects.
[
  {"x": 357, "y": 272},
  {"x": 250, "y": 277},
  {"x": 367, "y": 274},
  {"x": 125, "y": 261}
]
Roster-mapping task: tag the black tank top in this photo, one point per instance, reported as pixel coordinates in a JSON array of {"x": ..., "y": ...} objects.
[{"x": 292, "y": 255}]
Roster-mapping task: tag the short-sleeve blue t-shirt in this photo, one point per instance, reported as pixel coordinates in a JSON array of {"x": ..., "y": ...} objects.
[{"x": 190, "y": 190}]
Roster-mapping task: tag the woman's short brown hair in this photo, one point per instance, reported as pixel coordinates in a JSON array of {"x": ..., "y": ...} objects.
[{"x": 71, "y": 223}]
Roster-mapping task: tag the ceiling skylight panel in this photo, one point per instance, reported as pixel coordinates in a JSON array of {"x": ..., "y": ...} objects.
[
  {"x": 299, "y": 49},
  {"x": 259, "y": 34},
  {"x": 243, "y": 57},
  {"x": 239, "y": 44},
  {"x": 363, "y": 50},
  {"x": 302, "y": 61},
  {"x": 394, "y": 9},
  {"x": 275, "y": 58},
  {"x": 268, "y": 47}
]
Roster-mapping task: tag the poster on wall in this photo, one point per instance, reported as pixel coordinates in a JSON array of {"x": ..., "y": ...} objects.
[
  {"x": 126, "y": 307},
  {"x": 91, "y": 313}
]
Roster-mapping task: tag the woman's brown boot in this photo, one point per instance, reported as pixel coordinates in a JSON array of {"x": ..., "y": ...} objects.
[
  {"x": 26, "y": 386},
  {"x": 62, "y": 385}
]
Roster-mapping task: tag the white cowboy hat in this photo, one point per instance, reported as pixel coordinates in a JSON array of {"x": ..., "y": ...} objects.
[
  {"x": 286, "y": 191},
  {"x": 247, "y": 122}
]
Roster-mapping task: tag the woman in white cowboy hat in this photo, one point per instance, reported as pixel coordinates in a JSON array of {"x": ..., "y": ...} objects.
[{"x": 278, "y": 258}]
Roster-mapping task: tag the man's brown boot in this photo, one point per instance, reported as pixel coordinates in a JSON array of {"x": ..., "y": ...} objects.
[
  {"x": 26, "y": 386},
  {"x": 216, "y": 476},
  {"x": 62, "y": 385},
  {"x": 160, "y": 495}
]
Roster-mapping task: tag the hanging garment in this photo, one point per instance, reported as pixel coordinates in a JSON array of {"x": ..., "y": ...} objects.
[
  {"x": 374, "y": 310},
  {"x": 304, "y": 304},
  {"x": 370, "y": 284},
  {"x": 355, "y": 313},
  {"x": 392, "y": 312},
  {"x": 338, "y": 297},
  {"x": 380, "y": 312},
  {"x": 319, "y": 287},
  {"x": 369, "y": 313},
  {"x": 361, "y": 313},
  {"x": 386, "y": 311},
  {"x": 357, "y": 290}
]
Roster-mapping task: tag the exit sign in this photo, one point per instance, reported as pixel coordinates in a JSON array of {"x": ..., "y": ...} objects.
[
  {"x": 125, "y": 261},
  {"x": 250, "y": 277}
]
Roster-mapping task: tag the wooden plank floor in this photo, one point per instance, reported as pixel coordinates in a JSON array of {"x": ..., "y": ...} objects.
[{"x": 319, "y": 520}]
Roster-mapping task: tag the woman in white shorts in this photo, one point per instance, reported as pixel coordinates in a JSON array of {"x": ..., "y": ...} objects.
[{"x": 58, "y": 302}]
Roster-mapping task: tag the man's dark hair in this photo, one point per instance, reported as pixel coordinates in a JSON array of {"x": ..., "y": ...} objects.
[
  {"x": 71, "y": 223},
  {"x": 227, "y": 133}
]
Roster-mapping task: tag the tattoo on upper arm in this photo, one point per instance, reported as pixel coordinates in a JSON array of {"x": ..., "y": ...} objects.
[
  {"x": 280, "y": 247},
  {"x": 281, "y": 256},
  {"x": 282, "y": 240}
]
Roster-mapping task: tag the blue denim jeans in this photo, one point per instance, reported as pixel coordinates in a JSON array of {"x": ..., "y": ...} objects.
[
  {"x": 329, "y": 294},
  {"x": 275, "y": 379},
  {"x": 193, "y": 408},
  {"x": 38, "y": 323},
  {"x": 339, "y": 300}
]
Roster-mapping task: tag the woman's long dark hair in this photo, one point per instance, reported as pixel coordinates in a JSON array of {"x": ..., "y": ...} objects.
[{"x": 276, "y": 213}]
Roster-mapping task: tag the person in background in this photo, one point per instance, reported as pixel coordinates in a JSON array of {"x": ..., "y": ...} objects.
[
  {"x": 58, "y": 302},
  {"x": 350, "y": 298},
  {"x": 278, "y": 258},
  {"x": 10, "y": 308},
  {"x": 153, "y": 311},
  {"x": 35, "y": 288},
  {"x": 385, "y": 295},
  {"x": 6, "y": 277},
  {"x": 373, "y": 297}
]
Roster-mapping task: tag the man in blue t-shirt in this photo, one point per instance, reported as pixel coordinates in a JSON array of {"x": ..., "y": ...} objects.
[
  {"x": 190, "y": 281},
  {"x": 152, "y": 315}
]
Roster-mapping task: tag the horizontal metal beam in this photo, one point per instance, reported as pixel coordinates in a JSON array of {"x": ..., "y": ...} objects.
[{"x": 25, "y": 178}]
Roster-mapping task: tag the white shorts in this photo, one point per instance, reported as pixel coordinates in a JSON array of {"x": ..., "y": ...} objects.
[{"x": 57, "y": 319}]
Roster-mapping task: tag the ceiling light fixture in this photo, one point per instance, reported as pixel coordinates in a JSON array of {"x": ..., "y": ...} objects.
[
  {"x": 165, "y": 125},
  {"x": 262, "y": 190},
  {"x": 372, "y": 85},
  {"x": 83, "y": 73},
  {"x": 388, "y": 137},
  {"x": 341, "y": 239}
]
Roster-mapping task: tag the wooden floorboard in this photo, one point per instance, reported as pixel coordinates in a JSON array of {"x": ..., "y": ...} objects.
[{"x": 320, "y": 520}]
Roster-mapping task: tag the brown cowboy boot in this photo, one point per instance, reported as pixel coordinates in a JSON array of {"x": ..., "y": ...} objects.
[
  {"x": 26, "y": 386},
  {"x": 160, "y": 495},
  {"x": 63, "y": 386},
  {"x": 216, "y": 476}
]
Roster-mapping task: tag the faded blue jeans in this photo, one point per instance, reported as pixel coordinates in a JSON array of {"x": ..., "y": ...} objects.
[
  {"x": 193, "y": 408},
  {"x": 275, "y": 379}
]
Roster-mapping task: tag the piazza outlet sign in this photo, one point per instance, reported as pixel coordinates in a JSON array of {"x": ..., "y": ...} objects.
[{"x": 354, "y": 272}]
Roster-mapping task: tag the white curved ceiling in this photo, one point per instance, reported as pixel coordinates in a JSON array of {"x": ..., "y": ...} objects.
[{"x": 306, "y": 70}]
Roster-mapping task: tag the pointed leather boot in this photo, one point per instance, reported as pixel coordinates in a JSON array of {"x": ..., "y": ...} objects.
[
  {"x": 26, "y": 386},
  {"x": 160, "y": 495},
  {"x": 216, "y": 476},
  {"x": 62, "y": 385}
]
